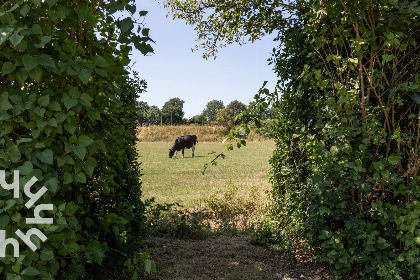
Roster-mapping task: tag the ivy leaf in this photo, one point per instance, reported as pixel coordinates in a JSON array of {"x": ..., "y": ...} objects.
[
  {"x": 15, "y": 39},
  {"x": 25, "y": 10},
  {"x": 89, "y": 166},
  {"x": 85, "y": 141},
  {"x": 126, "y": 24},
  {"x": 26, "y": 168},
  {"x": 30, "y": 271},
  {"x": 94, "y": 115},
  {"x": 4, "y": 221},
  {"x": 46, "y": 156},
  {"x": 46, "y": 60},
  {"x": 30, "y": 62},
  {"x": 43, "y": 101},
  {"x": 46, "y": 255},
  {"x": 14, "y": 153},
  {"x": 80, "y": 151},
  {"x": 7, "y": 68},
  {"x": 51, "y": 2},
  {"x": 21, "y": 75},
  {"x": 68, "y": 178},
  {"x": 36, "y": 74},
  {"x": 84, "y": 75},
  {"x": 80, "y": 177},
  {"x": 69, "y": 102},
  {"x": 394, "y": 159}
]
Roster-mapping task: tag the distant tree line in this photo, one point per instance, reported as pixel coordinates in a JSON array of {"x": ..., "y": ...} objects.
[{"x": 215, "y": 113}]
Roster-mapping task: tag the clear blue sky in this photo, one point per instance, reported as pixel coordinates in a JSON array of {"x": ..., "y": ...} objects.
[{"x": 175, "y": 71}]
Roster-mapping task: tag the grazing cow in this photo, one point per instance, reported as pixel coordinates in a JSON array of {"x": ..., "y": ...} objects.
[{"x": 183, "y": 142}]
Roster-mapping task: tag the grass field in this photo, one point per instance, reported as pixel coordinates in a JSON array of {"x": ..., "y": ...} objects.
[{"x": 180, "y": 180}]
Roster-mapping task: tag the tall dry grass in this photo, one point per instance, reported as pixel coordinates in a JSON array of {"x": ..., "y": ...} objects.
[{"x": 205, "y": 133}]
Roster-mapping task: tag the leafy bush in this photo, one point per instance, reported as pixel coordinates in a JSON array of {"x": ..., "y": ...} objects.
[
  {"x": 231, "y": 211},
  {"x": 67, "y": 111},
  {"x": 346, "y": 166},
  {"x": 174, "y": 221}
]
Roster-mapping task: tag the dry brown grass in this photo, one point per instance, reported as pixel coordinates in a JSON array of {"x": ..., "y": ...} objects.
[
  {"x": 204, "y": 133},
  {"x": 225, "y": 257}
]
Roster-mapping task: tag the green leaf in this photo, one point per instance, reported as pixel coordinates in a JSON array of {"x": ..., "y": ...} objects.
[
  {"x": 394, "y": 159},
  {"x": 85, "y": 141},
  {"x": 5, "y": 104},
  {"x": 148, "y": 266},
  {"x": 46, "y": 60},
  {"x": 11, "y": 276},
  {"x": 22, "y": 75},
  {"x": 52, "y": 184},
  {"x": 68, "y": 178},
  {"x": 26, "y": 168},
  {"x": 51, "y": 2},
  {"x": 385, "y": 174},
  {"x": 80, "y": 177},
  {"x": 69, "y": 102},
  {"x": 30, "y": 271},
  {"x": 89, "y": 166},
  {"x": 7, "y": 127},
  {"x": 46, "y": 255},
  {"x": 85, "y": 75},
  {"x": 70, "y": 127},
  {"x": 25, "y": 10},
  {"x": 101, "y": 62},
  {"x": 43, "y": 101},
  {"x": 36, "y": 74},
  {"x": 80, "y": 151},
  {"x": 15, "y": 39},
  {"x": 4, "y": 221},
  {"x": 37, "y": 2},
  {"x": 94, "y": 115},
  {"x": 30, "y": 62},
  {"x": 7, "y": 68},
  {"x": 126, "y": 24},
  {"x": 387, "y": 57},
  {"x": 14, "y": 153},
  {"x": 46, "y": 156}
]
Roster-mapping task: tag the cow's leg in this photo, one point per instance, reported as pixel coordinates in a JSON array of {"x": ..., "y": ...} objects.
[
  {"x": 182, "y": 153},
  {"x": 193, "y": 148},
  {"x": 175, "y": 154}
]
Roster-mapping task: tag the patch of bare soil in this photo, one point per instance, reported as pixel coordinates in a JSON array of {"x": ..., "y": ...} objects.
[{"x": 224, "y": 257}]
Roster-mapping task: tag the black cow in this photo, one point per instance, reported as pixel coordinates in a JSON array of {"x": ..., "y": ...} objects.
[{"x": 183, "y": 142}]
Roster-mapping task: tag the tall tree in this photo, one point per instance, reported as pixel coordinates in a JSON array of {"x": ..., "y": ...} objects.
[
  {"x": 198, "y": 119},
  {"x": 172, "y": 111},
  {"x": 142, "y": 109},
  {"x": 236, "y": 107},
  {"x": 153, "y": 115},
  {"x": 211, "y": 109}
]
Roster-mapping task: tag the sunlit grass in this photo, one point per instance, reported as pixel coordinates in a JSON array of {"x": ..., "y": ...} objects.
[{"x": 180, "y": 180}]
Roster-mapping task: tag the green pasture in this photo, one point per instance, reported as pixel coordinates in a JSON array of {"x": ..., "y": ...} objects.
[{"x": 180, "y": 180}]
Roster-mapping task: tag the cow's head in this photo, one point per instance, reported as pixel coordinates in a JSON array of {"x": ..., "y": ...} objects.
[{"x": 171, "y": 153}]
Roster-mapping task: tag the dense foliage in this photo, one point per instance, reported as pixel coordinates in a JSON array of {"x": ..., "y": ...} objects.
[
  {"x": 346, "y": 166},
  {"x": 172, "y": 111},
  {"x": 67, "y": 117}
]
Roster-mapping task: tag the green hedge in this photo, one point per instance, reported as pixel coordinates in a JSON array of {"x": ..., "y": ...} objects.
[
  {"x": 67, "y": 115},
  {"x": 346, "y": 165}
]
